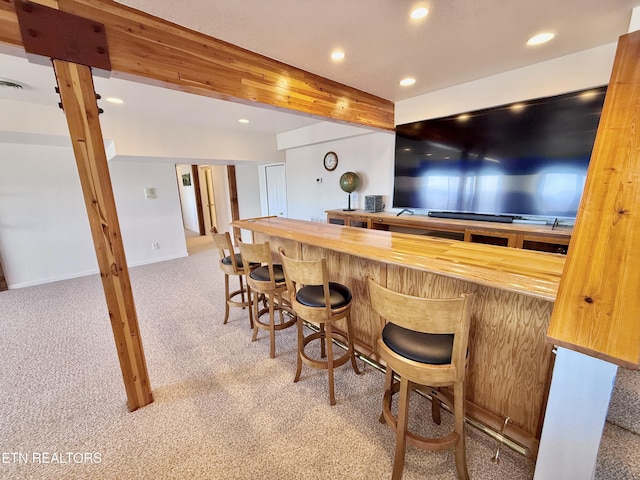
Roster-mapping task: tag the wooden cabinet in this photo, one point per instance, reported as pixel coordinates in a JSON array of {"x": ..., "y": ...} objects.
[
  {"x": 542, "y": 238},
  {"x": 349, "y": 220}
]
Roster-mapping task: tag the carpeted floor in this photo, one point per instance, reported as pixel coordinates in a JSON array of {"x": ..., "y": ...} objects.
[{"x": 223, "y": 409}]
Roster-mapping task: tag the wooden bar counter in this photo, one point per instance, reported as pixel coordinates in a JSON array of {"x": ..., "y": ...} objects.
[{"x": 510, "y": 359}]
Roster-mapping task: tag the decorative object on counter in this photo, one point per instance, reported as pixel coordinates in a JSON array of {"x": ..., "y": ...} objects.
[
  {"x": 349, "y": 182},
  {"x": 373, "y": 203},
  {"x": 330, "y": 161}
]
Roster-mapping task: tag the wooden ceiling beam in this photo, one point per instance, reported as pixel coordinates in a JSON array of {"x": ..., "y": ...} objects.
[{"x": 150, "y": 50}]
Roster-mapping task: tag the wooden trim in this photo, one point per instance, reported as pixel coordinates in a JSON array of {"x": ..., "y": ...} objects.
[
  {"x": 596, "y": 311},
  {"x": 3, "y": 281},
  {"x": 233, "y": 199},
  {"x": 79, "y": 101},
  {"x": 195, "y": 175},
  {"x": 150, "y": 50}
]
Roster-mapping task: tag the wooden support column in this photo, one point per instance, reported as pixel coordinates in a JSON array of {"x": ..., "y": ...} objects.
[
  {"x": 596, "y": 311},
  {"x": 195, "y": 175},
  {"x": 74, "y": 43},
  {"x": 79, "y": 101}
]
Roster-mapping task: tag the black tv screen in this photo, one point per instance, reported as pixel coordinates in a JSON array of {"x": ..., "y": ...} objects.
[{"x": 523, "y": 160}]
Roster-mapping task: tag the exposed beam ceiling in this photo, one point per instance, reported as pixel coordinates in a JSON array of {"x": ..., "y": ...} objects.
[{"x": 457, "y": 42}]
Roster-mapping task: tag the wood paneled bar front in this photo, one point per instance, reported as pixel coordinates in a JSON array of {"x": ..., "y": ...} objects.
[{"x": 510, "y": 359}]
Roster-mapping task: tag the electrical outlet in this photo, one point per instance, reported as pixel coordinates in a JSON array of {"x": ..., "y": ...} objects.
[{"x": 155, "y": 246}]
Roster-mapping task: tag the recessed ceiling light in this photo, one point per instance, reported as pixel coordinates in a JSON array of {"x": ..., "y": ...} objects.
[
  {"x": 337, "y": 55},
  {"x": 114, "y": 100},
  {"x": 243, "y": 120},
  {"x": 540, "y": 38},
  {"x": 406, "y": 82},
  {"x": 588, "y": 95},
  {"x": 419, "y": 13}
]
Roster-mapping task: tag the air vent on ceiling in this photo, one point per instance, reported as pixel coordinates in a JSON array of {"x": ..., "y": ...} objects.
[{"x": 10, "y": 84}]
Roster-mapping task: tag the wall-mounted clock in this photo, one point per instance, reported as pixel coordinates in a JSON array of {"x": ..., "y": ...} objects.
[{"x": 330, "y": 161}]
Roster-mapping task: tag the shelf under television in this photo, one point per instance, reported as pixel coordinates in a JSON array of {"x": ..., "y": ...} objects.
[{"x": 538, "y": 237}]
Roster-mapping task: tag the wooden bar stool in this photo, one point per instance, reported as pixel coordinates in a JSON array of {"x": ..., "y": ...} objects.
[
  {"x": 425, "y": 342},
  {"x": 266, "y": 280},
  {"x": 231, "y": 265},
  {"x": 315, "y": 299}
]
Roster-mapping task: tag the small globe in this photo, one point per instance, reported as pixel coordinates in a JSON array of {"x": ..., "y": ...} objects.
[{"x": 349, "y": 181}]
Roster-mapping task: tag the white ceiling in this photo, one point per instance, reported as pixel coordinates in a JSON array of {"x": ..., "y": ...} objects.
[{"x": 459, "y": 41}]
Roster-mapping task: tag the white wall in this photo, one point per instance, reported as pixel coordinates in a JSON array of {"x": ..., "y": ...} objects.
[
  {"x": 248, "y": 185},
  {"x": 145, "y": 221},
  {"x": 42, "y": 214},
  {"x": 591, "y": 68},
  {"x": 44, "y": 231},
  {"x": 372, "y": 156},
  {"x": 185, "y": 143}
]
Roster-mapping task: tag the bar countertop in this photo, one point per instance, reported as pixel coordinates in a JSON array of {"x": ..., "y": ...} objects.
[{"x": 526, "y": 272}]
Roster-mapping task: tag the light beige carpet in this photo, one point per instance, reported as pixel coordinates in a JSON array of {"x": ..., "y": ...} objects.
[{"x": 223, "y": 409}]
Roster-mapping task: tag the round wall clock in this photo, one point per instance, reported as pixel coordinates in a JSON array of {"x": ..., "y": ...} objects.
[{"x": 330, "y": 161}]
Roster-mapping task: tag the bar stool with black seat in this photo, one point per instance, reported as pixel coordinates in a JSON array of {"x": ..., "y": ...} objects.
[
  {"x": 266, "y": 280},
  {"x": 425, "y": 343},
  {"x": 318, "y": 301},
  {"x": 231, "y": 265}
]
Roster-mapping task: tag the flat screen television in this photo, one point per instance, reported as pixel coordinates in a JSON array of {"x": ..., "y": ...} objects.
[{"x": 520, "y": 161}]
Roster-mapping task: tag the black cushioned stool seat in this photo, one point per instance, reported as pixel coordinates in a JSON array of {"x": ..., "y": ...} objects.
[
  {"x": 238, "y": 258},
  {"x": 434, "y": 349},
  {"x": 313, "y": 295},
  {"x": 261, "y": 274}
]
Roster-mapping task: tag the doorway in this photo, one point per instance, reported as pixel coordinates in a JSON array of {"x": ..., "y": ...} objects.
[
  {"x": 208, "y": 198},
  {"x": 276, "y": 184}
]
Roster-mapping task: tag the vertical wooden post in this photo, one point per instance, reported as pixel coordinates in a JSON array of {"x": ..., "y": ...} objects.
[
  {"x": 233, "y": 198},
  {"x": 79, "y": 102},
  {"x": 195, "y": 175},
  {"x": 3, "y": 282},
  {"x": 596, "y": 310}
]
